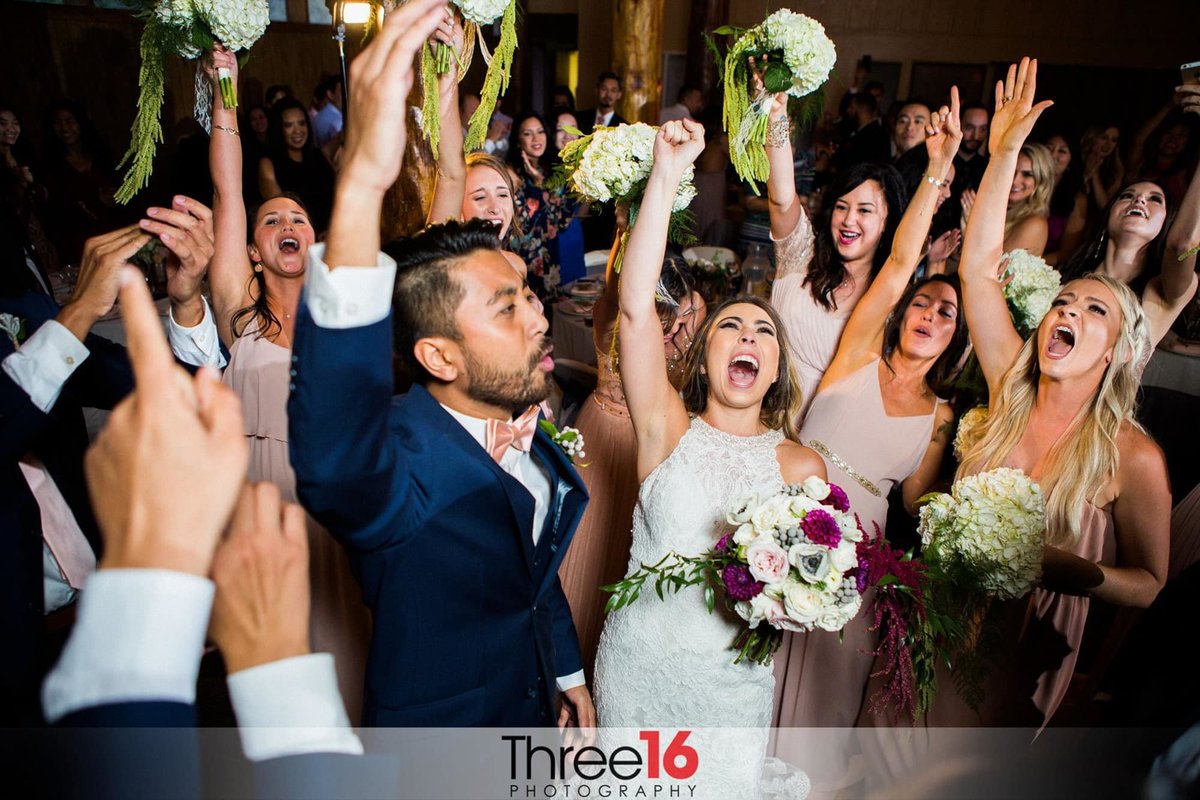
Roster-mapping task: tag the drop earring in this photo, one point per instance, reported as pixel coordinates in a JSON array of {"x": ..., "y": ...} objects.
[{"x": 258, "y": 266}]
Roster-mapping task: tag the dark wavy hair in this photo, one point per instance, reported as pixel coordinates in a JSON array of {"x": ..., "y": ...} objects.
[
  {"x": 276, "y": 144},
  {"x": 781, "y": 402},
  {"x": 945, "y": 368},
  {"x": 1090, "y": 255},
  {"x": 427, "y": 295},
  {"x": 826, "y": 272},
  {"x": 259, "y": 309},
  {"x": 546, "y": 161}
]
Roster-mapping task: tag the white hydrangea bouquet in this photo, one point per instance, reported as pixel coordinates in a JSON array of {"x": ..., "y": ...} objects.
[
  {"x": 796, "y": 560},
  {"x": 799, "y": 56},
  {"x": 613, "y": 165},
  {"x": 970, "y": 430},
  {"x": 438, "y": 59},
  {"x": 1030, "y": 286},
  {"x": 187, "y": 29}
]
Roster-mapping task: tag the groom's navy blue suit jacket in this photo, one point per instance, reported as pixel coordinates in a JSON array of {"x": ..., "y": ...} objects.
[{"x": 471, "y": 626}]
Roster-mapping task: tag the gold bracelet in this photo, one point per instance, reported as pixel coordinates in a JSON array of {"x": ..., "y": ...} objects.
[
  {"x": 227, "y": 129},
  {"x": 778, "y": 133}
]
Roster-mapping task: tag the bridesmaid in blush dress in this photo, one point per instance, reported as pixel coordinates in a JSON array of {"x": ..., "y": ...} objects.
[
  {"x": 599, "y": 551},
  {"x": 255, "y": 290}
]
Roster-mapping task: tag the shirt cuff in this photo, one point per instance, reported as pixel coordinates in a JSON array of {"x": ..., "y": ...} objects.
[
  {"x": 138, "y": 638},
  {"x": 570, "y": 681},
  {"x": 349, "y": 297},
  {"x": 198, "y": 345},
  {"x": 290, "y": 707},
  {"x": 44, "y": 363}
]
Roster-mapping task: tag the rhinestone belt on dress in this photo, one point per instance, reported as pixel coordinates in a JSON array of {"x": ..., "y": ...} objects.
[{"x": 858, "y": 477}]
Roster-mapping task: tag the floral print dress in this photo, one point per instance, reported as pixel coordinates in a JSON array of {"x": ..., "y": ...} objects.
[{"x": 544, "y": 212}]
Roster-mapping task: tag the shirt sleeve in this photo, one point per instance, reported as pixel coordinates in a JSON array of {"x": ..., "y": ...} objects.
[
  {"x": 349, "y": 297},
  {"x": 198, "y": 345},
  {"x": 44, "y": 363},
  {"x": 138, "y": 638},
  {"x": 290, "y": 707},
  {"x": 570, "y": 681}
]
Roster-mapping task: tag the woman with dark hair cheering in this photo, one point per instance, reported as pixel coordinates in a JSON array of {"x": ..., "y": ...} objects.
[
  {"x": 877, "y": 421},
  {"x": 543, "y": 211}
]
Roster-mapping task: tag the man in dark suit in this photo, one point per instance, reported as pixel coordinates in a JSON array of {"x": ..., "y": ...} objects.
[
  {"x": 455, "y": 516},
  {"x": 869, "y": 142},
  {"x": 53, "y": 367},
  {"x": 608, "y": 94}
]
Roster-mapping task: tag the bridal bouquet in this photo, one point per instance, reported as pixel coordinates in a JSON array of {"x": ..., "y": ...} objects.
[
  {"x": 970, "y": 430},
  {"x": 613, "y": 164},
  {"x": 184, "y": 28},
  {"x": 795, "y": 560},
  {"x": 799, "y": 59},
  {"x": 1030, "y": 287},
  {"x": 438, "y": 59}
]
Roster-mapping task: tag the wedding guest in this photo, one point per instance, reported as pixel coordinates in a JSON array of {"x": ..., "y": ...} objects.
[
  {"x": 542, "y": 211},
  {"x": 563, "y": 123},
  {"x": 608, "y": 94},
  {"x": 868, "y": 143},
  {"x": 1168, "y": 147},
  {"x": 255, "y": 280},
  {"x": 133, "y": 657},
  {"x": 80, "y": 179},
  {"x": 23, "y": 194},
  {"x": 53, "y": 367},
  {"x": 564, "y": 99},
  {"x": 1061, "y": 411},
  {"x": 819, "y": 279},
  {"x": 878, "y": 421},
  {"x": 972, "y": 156},
  {"x": 1026, "y": 220},
  {"x": 729, "y": 432},
  {"x": 328, "y": 123},
  {"x": 909, "y": 128},
  {"x": 689, "y": 104},
  {"x": 293, "y": 164},
  {"x": 913, "y": 167},
  {"x": 1068, "y": 205},
  {"x": 498, "y": 650},
  {"x": 1143, "y": 243},
  {"x": 1103, "y": 171},
  {"x": 600, "y": 550},
  {"x": 277, "y": 92}
]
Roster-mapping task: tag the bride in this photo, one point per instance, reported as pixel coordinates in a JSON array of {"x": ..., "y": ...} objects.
[{"x": 668, "y": 664}]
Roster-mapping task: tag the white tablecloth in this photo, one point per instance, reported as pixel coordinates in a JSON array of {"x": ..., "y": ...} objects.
[{"x": 572, "y": 335}]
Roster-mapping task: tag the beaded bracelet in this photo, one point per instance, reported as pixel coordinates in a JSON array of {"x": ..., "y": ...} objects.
[
  {"x": 935, "y": 181},
  {"x": 778, "y": 133}
]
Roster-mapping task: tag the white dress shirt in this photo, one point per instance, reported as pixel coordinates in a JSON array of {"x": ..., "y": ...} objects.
[
  {"x": 355, "y": 297},
  {"x": 41, "y": 366},
  {"x": 139, "y": 638}
]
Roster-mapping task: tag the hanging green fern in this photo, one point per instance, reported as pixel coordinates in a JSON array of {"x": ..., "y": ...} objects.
[
  {"x": 146, "y": 133},
  {"x": 495, "y": 83}
]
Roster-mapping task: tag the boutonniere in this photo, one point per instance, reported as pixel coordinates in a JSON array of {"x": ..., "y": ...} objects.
[
  {"x": 14, "y": 327},
  {"x": 569, "y": 440}
]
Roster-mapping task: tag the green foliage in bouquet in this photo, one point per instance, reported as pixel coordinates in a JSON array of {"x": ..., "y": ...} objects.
[{"x": 495, "y": 83}]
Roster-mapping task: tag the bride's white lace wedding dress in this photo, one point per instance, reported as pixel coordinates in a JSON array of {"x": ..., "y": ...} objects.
[{"x": 668, "y": 664}]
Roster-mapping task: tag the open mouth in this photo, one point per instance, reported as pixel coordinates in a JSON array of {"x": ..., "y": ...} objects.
[
  {"x": 289, "y": 245},
  {"x": 1062, "y": 341},
  {"x": 848, "y": 237},
  {"x": 743, "y": 370},
  {"x": 1137, "y": 212},
  {"x": 546, "y": 362},
  {"x": 922, "y": 331}
]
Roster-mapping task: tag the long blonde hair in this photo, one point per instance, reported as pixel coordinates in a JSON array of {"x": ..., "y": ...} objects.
[
  {"x": 1084, "y": 459},
  {"x": 1038, "y": 203}
]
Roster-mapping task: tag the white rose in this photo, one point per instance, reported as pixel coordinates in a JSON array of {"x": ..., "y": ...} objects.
[
  {"x": 802, "y": 603},
  {"x": 815, "y": 488},
  {"x": 769, "y": 516},
  {"x": 834, "y": 618},
  {"x": 844, "y": 557},
  {"x": 745, "y": 534}
]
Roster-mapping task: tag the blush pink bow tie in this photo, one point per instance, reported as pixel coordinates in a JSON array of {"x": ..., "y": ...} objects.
[{"x": 519, "y": 433}]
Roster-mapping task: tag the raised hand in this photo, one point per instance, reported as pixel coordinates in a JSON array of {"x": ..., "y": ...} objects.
[
  {"x": 261, "y": 609},
  {"x": 967, "y": 201},
  {"x": 380, "y": 80},
  {"x": 678, "y": 144},
  {"x": 220, "y": 57},
  {"x": 1016, "y": 112},
  {"x": 944, "y": 246},
  {"x": 778, "y": 109},
  {"x": 450, "y": 33},
  {"x": 1189, "y": 97},
  {"x": 944, "y": 132},
  {"x": 186, "y": 230},
  {"x": 100, "y": 277},
  {"x": 532, "y": 168},
  {"x": 164, "y": 473}
]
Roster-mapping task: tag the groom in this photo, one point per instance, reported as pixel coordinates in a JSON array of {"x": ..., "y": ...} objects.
[{"x": 455, "y": 516}]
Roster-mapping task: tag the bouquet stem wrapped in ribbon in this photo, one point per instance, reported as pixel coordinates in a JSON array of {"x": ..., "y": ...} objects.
[
  {"x": 185, "y": 28},
  {"x": 438, "y": 59},
  {"x": 799, "y": 58}
]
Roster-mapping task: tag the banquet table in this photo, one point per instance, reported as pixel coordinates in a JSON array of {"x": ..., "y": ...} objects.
[{"x": 572, "y": 334}]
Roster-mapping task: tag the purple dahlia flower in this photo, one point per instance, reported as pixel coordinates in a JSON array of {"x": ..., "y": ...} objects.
[
  {"x": 821, "y": 528},
  {"x": 837, "y": 498},
  {"x": 739, "y": 583}
]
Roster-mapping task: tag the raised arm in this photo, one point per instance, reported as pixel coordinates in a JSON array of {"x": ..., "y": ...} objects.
[
  {"x": 992, "y": 331},
  {"x": 864, "y": 330},
  {"x": 782, "y": 201},
  {"x": 451, "y": 181},
  {"x": 1179, "y": 275},
  {"x": 229, "y": 271},
  {"x": 659, "y": 418}
]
